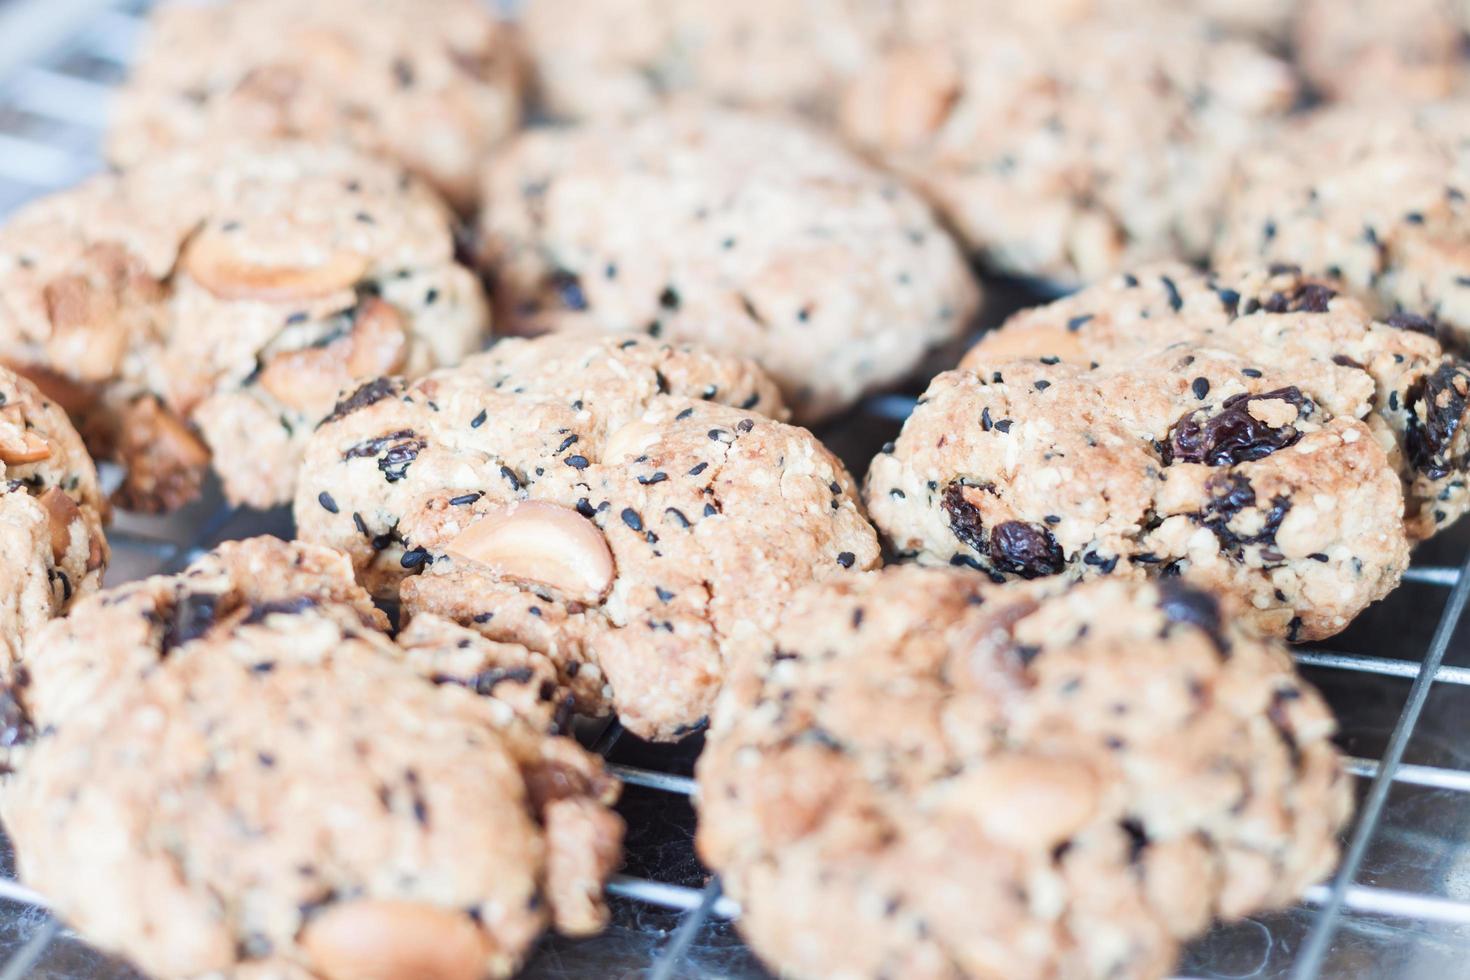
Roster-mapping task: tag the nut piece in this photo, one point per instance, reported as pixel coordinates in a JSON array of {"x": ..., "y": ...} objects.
[
  {"x": 61, "y": 512},
  {"x": 631, "y": 440},
  {"x": 165, "y": 461},
  {"x": 211, "y": 262},
  {"x": 1051, "y": 799},
  {"x": 312, "y": 377},
  {"x": 545, "y": 543},
  {"x": 19, "y": 444},
  {"x": 906, "y": 101},
  {"x": 372, "y": 939}
]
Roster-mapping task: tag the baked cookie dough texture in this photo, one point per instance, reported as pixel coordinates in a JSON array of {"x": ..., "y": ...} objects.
[
  {"x": 240, "y": 774},
  {"x": 210, "y": 304},
  {"x": 52, "y": 549},
  {"x": 1385, "y": 51},
  {"x": 432, "y": 84},
  {"x": 1263, "y": 437},
  {"x": 929, "y": 776},
  {"x": 1376, "y": 199},
  {"x": 629, "y": 509},
  {"x": 747, "y": 234},
  {"x": 1068, "y": 152}
]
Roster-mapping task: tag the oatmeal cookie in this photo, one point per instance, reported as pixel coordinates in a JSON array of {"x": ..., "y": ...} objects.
[
  {"x": 1260, "y": 482},
  {"x": 52, "y": 549},
  {"x": 617, "y": 504},
  {"x": 1373, "y": 198},
  {"x": 609, "y": 58},
  {"x": 1382, "y": 50},
  {"x": 751, "y": 235},
  {"x": 214, "y": 302},
  {"x": 1066, "y": 153},
  {"x": 928, "y": 776},
  {"x": 262, "y": 781},
  {"x": 1414, "y": 392},
  {"x": 432, "y": 84}
]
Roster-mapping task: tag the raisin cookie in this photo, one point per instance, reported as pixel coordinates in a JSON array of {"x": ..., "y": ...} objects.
[
  {"x": 1415, "y": 394},
  {"x": 1068, "y": 152},
  {"x": 433, "y": 84},
  {"x": 51, "y": 514},
  {"x": 1372, "y": 50},
  {"x": 619, "y": 505},
  {"x": 241, "y": 796},
  {"x": 753, "y": 235},
  {"x": 213, "y": 303},
  {"x": 610, "y": 58},
  {"x": 1260, "y": 482},
  {"x": 1374, "y": 198},
  {"x": 927, "y": 776}
]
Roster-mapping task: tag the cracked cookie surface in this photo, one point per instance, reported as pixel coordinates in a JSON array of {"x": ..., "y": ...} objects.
[
  {"x": 929, "y": 776},
  {"x": 52, "y": 548},
  {"x": 1391, "y": 372},
  {"x": 1261, "y": 482},
  {"x": 756, "y": 236},
  {"x": 1375, "y": 199},
  {"x": 213, "y": 302},
  {"x": 615, "y": 503},
  {"x": 1068, "y": 151},
  {"x": 223, "y": 786},
  {"x": 432, "y": 84}
]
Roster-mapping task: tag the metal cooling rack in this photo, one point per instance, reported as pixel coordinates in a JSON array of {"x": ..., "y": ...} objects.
[{"x": 1398, "y": 679}]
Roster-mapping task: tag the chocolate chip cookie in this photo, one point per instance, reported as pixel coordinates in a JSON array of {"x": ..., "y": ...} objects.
[
  {"x": 260, "y": 782},
  {"x": 432, "y": 84},
  {"x": 1391, "y": 373},
  {"x": 1374, "y": 198},
  {"x": 1261, "y": 482},
  {"x": 51, "y": 514},
  {"x": 1067, "y": 152},
  {"x": 211, "y": 304},
  {"x": 620, "y": 505},
  {"x": 757, "y": 236},
  {"x": 929, "y": 776}
]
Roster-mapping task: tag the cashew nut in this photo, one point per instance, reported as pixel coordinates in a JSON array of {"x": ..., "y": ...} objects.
[{"x": 536, "y": 541}]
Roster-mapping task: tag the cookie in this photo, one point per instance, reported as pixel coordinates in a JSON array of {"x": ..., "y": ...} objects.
[
  {"x": 623, "y": 57},
  {"x": 212, "y": 303},
  {"x": 929, "y": 776},
  {"x": 52, "y": 549},
  {"x": 1068, "y": 152},
  {"x": 1413, "y": 392},
  {"x": 432, "y": 84},
  {"x": 1374, "y": 198},
  {"x": 619, "y": 505},
  {"x": 751, "y": 235},
  {"x": 1382, "y": 50},
  {"x": 236, "y": 794},
  {"x": 1260, "y": 483}
]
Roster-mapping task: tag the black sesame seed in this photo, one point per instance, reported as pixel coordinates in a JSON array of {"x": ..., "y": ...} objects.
[
  {"x": 576, "y": 462},
  {"x": 465, "y": 498},
  {"x": 698, "y": 468},
  {"x": 414, "y": 558},
  {"x": 478, "y": 420},
  {"x": 1078, "y": 322},
  {"x": 1200, "y": 387},
  {"x": 328, "y": 504},
  {"x": 846, "y": 558},
  {"x": 630, "y": 517}
]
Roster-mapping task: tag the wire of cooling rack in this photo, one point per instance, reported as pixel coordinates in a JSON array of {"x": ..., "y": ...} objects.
[{"x": 58, "y": 62}]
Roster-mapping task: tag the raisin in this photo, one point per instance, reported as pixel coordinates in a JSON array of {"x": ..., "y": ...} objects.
[
  {"x": 1436, "y": 407},
  {"x": 191, "y": 618},
  {"x": 964, "y": 517},
  {"x": 1307, "y": 297},
  {"x": 1184, "y": 604},
  {"x": 1025, "y": 550},
  {"x": 367, "y": 394},
  {"x": 1413, "y": 322},
  {"x": 1233, "y": 435}
]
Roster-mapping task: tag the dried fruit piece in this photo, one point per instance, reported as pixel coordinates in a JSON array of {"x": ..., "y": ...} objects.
[
  {"x": 540, "y": 542},
  {"x": 1436, "y": 406},
  {"x": 370, "y": 939},
  {"x": 964, "y": 517},
  {"x": 1235, "y": 435},
  {"x": 212, "y": 262},
  {"x": 1026, "y": 550}
]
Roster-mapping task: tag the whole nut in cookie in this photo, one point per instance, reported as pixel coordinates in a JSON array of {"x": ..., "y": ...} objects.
[
  {"x": 377, "y": 344},
  {"x": 369, "y": 939},
  {"x": 541, "y": 543},
  {"x": 20, "y": 445}
]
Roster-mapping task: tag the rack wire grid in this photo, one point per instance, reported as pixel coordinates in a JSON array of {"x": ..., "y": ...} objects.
[{"x": 1398, "y": 679}]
